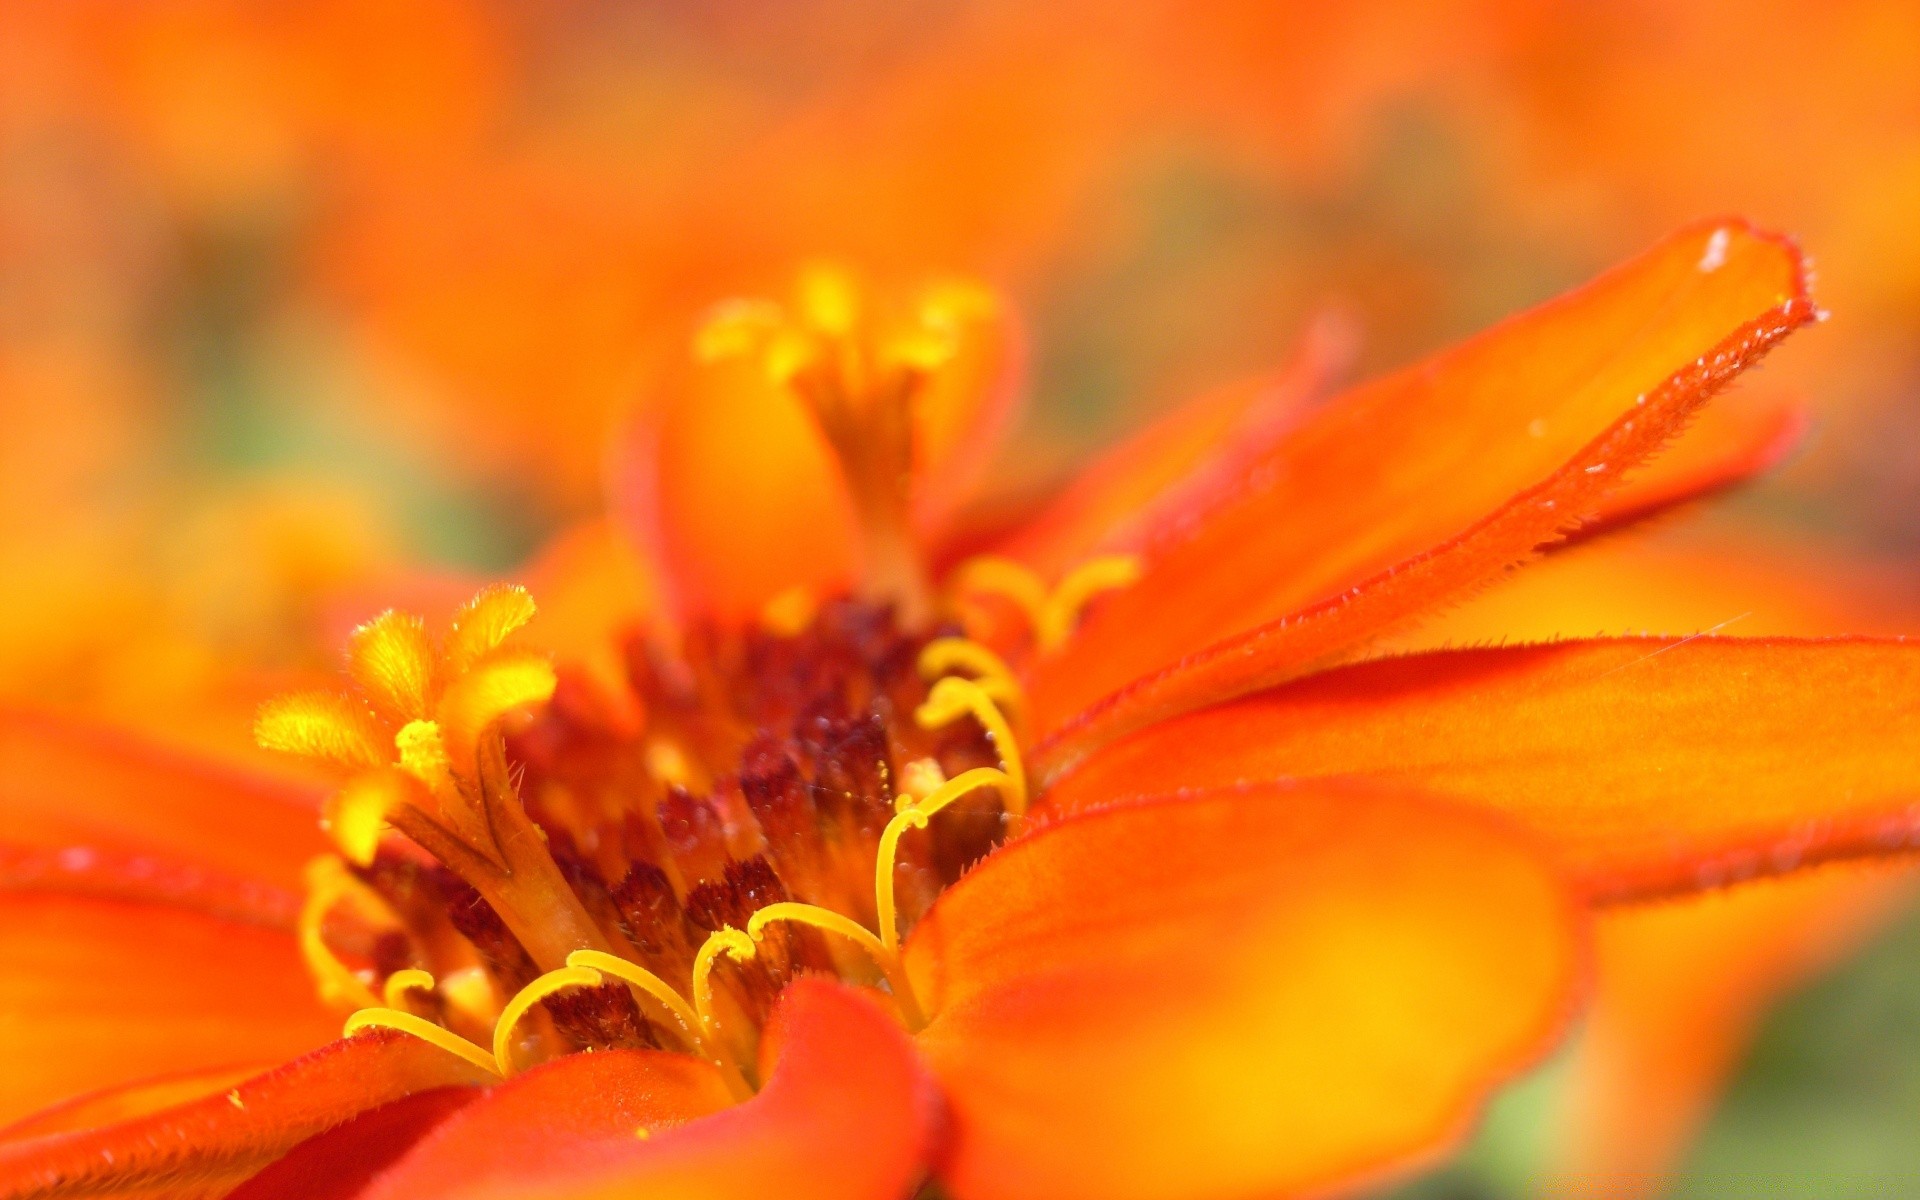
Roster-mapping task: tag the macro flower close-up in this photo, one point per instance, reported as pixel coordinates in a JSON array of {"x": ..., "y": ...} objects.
[{"x": 726, "y": 606}]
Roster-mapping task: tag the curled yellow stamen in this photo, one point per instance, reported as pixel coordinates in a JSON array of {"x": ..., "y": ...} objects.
[
  {"x": 1014, "y": 581},
  {"x": 733, "y": 943},
  {"x": 401, "y": 982},
  {"x": 1062, "y": 609},
  {"x": 426, "y": 1031},
  {"x": 328, "y": 883},
  {"x": 942, "y": 656},
  {"x": 954, "y": 697},
  {"x": 859, "y": 935},
  {"x": 654, "y": 986},
  {"x": 915, "y": 817},
  {"x": 524, "y": 1000}
]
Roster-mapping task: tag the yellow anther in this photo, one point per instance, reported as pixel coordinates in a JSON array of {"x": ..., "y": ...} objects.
[
  {"x": 401, "y": 982},
  {"x": 853, "y": 931},
  {"x": 657, "y": 988},
  {"x": 943, "y": 656},
  {"x": 328, "y": 883},
  {"x": 528, "y": 996},
  {"x": 1014, "y": 581},
  {"x": 426, "y": 1031},
  {"x": 954, "y": 697},
  {"x": 916, "y": 818},
  {"x": 1082, "y": 584},
  {"x": 423, "y": 753},
  {"x": 736, "y": 945}
]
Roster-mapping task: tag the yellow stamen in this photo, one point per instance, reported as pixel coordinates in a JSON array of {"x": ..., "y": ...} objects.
[
  {"x": 327, "y": 885},
  {"x": 734, "y": 944},
  {"x": 426, "y": 1031},
  {"x": 915, "y": 817},
  {"x": 942, "y": 656},
  {"x": 1082, "y": 584},
  {"x": 654, "y": 986},
  {"x": 401, "y": 982},
  {"x": 528, "y": 996},
  {"x": 859, "y": 935},
  {"x": 1013, "y": 581},
  {"x": 954, "y": 697}
]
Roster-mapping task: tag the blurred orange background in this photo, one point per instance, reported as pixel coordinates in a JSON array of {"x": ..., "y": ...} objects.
[{"x": 309, "y": 307}]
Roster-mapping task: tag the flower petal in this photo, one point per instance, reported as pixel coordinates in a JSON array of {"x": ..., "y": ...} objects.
[
  {"x": 518, "y": 1132},
  {"x": 1679, "y": 988},
  {"x": 340, "y": 1163},
  {"x": 1650, "y": 766},
  {"x": 63, "y": 783},
  {"x": 846, "y": 1114},
  {"x": 1726, "y": 446},
  {"x": 203, "y": 1148},
  {"x": 1415, "y": 488},
  {"x": 740, "y": 498},
  {"x": 1242, "y": 993},
  {"x": 97, "y": 993}
]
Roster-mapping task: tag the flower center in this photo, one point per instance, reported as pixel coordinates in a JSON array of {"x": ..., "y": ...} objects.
[{"x": 797, "y": 798}]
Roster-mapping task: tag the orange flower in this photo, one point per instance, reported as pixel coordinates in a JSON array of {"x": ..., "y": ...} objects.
[{"x": 1119, "y": 879}]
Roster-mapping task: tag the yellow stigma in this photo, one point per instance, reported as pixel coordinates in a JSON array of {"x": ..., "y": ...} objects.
[
  {"x": 328, "y": 885},
  {"x": 425, "y": 1030},
  {"x": 859, "y": 935},
  {"x": 1052, "y": 613},
  {"x": 735, "y": 944},
  {"x": 943, "y": 656},
  {"x": 524, "y": 1000},
  {"x": 914, "y": 816},
  {"x": 953, "y": 698},
  {"x": 650, "y": 986},
  {"x": 401, "y": 982}
]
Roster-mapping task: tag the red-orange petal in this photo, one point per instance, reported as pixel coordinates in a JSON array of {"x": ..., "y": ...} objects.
[
  {"x": 1678, "y": 989},
  {"x": 202, "y": 1149},
  {"x": 343, "y": 1162},
  {"x": 847, "y": 1113},
  {"x": 1235, "y": 994},
  {"x": 739, "y": 497},
  {"x": 98, "y": 993},
  {"x": 1729, "y": 444},
  {"x": 63, "y": 783},
  {"x": 1422, "y": 485},
  {"x": 1650, "y": 766},
  {"x": 552, "y": 1115}
]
